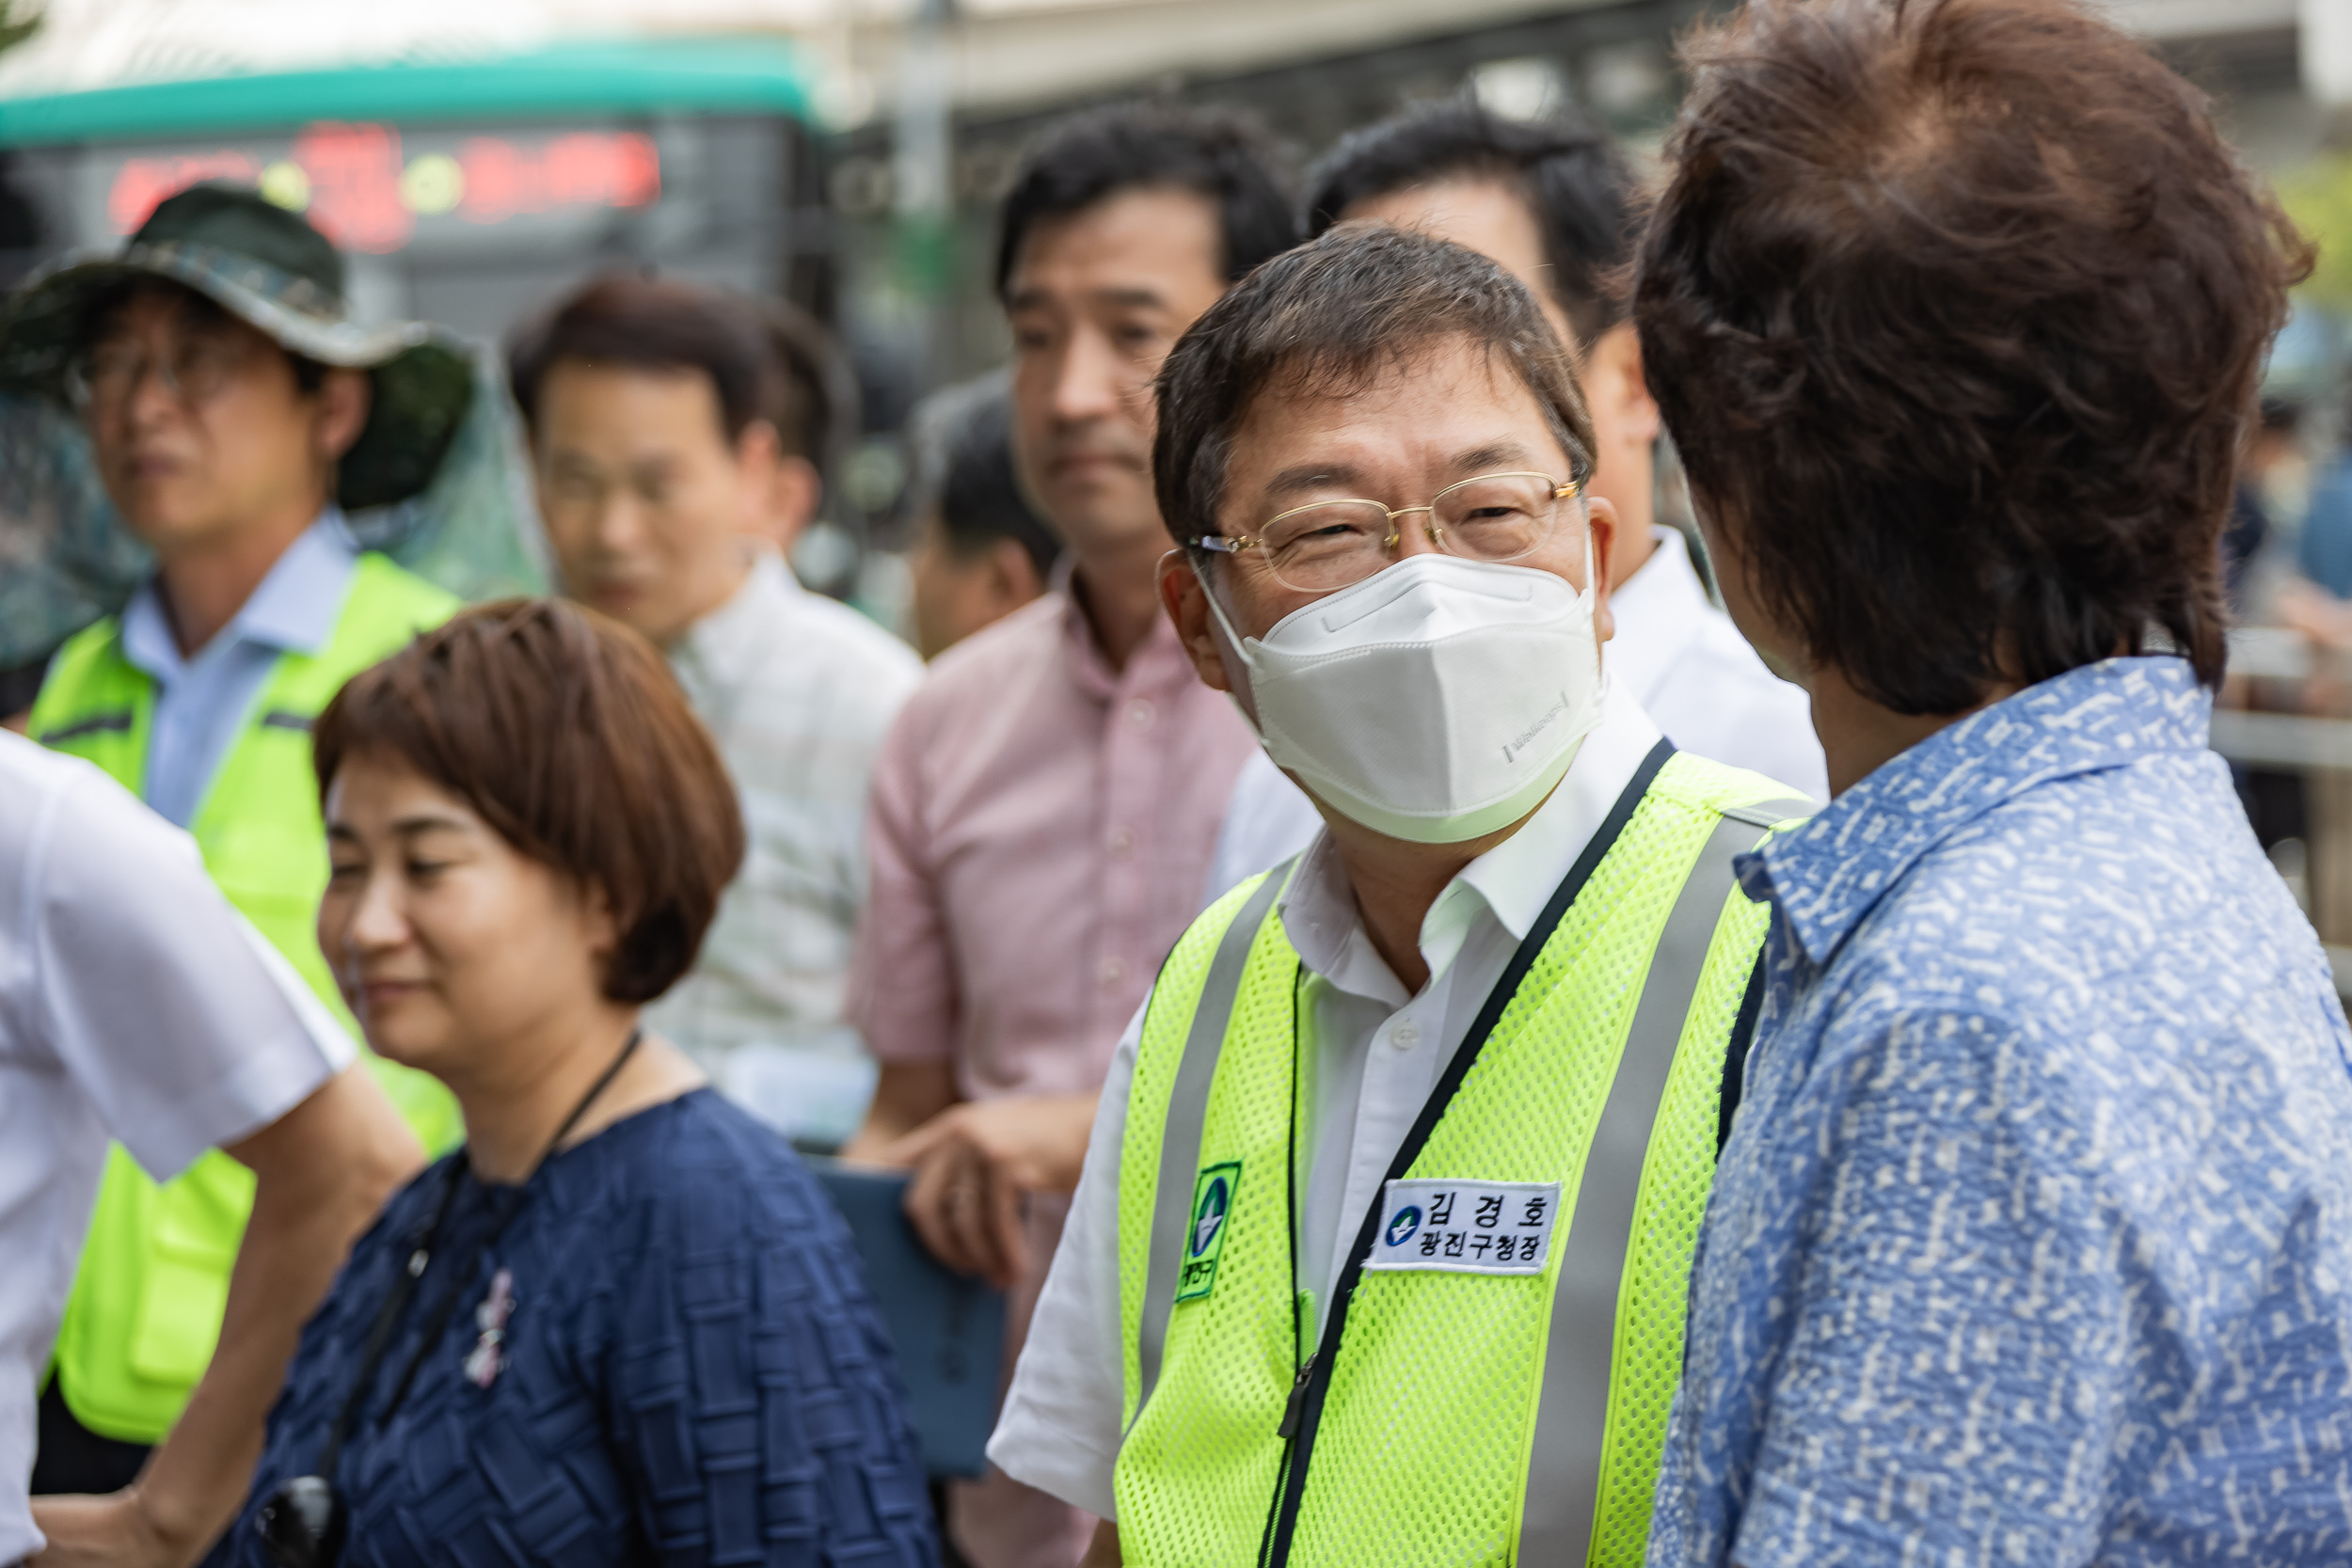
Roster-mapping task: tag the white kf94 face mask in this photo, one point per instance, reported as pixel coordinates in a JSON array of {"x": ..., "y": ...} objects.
[{"x": 1437, "y": 700}]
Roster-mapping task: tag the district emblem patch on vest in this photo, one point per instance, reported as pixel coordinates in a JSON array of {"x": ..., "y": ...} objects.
[{"x": 1212, "y": 1201}]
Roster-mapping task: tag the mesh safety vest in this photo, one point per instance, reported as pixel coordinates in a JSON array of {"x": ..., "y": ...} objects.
[
  {"x": 1445, "y": 1417},
  {"x": 146, "y": 1304}
]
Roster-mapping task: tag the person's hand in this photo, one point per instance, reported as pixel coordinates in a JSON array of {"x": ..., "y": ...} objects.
[
  {"x": 112, "y": 1530},
  {"x": 2318, "y": 614},
  {"x": 974, "y": 1162}
]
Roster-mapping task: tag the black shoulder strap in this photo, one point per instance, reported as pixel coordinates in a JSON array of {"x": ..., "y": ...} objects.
[
  {"x": 1736, "y": 1053},
  {"x": 1283, "y": 1518}
]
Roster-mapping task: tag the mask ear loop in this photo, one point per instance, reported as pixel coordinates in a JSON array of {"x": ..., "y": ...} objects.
[
  {"x": 1590, "y": 581},
  {"x": 1591, "y": 601},
  {"x": 1241, "y": 650}
]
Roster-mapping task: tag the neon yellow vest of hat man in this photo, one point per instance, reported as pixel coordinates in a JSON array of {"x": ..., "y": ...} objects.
[
  {"x": 1492, "y": 1381},
  {"x": 145, "y": 1308}
]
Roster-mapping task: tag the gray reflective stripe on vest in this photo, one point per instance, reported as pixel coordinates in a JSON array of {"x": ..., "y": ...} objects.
[
  {"x": 103, "y": 723},
  {"x": 1187, "y": 1115},
  {"x": 1571, "y": 1421}
]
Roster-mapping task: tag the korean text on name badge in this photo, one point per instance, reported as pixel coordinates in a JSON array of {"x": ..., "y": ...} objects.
[{"x": 1466, "y": 1227}]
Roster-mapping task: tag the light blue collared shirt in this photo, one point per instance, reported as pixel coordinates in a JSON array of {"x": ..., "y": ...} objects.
[{"x": 201, "y": 702}]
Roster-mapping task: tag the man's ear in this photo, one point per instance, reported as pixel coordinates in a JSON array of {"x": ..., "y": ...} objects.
[
  {"x": 1600, "y": 519},
  {"x": 344, "y": 398},
  {"x": 1013, "y": 575},
  {"x": 1187, "y": 599},
  {"x": 795, "y": 492},
  {"x": 781, "y": 494},
  {"x": 1613, "y": 376}
]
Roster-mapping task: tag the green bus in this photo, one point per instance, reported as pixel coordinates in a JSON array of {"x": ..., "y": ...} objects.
[{"x": 466, "y": 192}]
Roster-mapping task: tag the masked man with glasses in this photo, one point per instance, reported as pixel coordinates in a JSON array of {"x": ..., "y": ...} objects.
[
  {"x": 1378, "y": 1253},
  {"x": 236, "y": 413}
]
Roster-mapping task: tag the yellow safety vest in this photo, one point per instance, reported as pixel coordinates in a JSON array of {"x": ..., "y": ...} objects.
[
  {"x": 1492, "y": 1380},
  {"x": 145, "y": 1314}
]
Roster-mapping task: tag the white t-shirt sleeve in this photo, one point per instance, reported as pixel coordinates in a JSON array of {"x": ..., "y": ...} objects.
[
  {"x": 182, "y": 1025},
  {"x": 1060, "y": 1429}
]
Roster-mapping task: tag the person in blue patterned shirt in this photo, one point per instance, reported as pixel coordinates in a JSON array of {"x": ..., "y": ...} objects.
[{"x": 2032, "y": 1240}]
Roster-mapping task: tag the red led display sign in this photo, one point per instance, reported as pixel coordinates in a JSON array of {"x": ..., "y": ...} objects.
[{"x": 367, "y": 192}]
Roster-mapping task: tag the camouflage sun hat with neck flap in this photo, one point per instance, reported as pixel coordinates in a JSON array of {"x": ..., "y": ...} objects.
[
  {"x": 270, "y": 269},
  {"x": 435, "y": 481}
]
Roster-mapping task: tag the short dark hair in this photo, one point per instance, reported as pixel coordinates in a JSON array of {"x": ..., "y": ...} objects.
[
  {"x": 571, "y": 737},
  {"x": 654, "y": 324},
  {"x": 1955, "y": 309},
  {"x": 1222, "y": 155},
  {"x": 1328, "y": 317},
  {"x": 964, "y": 473},
  {"x": 1577, "y": 184}
]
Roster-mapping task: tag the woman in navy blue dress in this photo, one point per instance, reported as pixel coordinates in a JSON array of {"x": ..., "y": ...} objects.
[{"x": 621, "y": 1325}]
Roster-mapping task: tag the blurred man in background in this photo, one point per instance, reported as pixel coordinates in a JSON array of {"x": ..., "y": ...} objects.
[
  {"x": 235, "y": 411},
  {"x": 1045, "y": 808},
  {"x": 1555, "y": 203},
  {"x": 667, "y": 485},
  {"x": 980, "y": 553}
]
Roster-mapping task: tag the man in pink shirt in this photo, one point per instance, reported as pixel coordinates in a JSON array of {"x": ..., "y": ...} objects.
[{"x": 1045, "y": 807}]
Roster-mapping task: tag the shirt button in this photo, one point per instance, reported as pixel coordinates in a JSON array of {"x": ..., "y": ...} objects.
[
  {"x": 1121, "y": 841},
  {"x": 1139, "y": 713},
  {"x": 1405, "y": 1036},
  {"x": 1114, "y": 971}
]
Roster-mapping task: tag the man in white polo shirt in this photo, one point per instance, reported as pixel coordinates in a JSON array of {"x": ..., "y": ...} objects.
[{"x": 136, "y": 1005}]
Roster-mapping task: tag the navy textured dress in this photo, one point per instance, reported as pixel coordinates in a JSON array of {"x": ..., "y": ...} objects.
[{"x": 689, "y": 1371}]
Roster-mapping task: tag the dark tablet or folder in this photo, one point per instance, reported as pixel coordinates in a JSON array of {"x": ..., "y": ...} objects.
[{"x": 948, "y": 1329}]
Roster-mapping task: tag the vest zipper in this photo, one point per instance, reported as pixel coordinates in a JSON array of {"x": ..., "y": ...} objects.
[
  {"x": 1297, "y": 1401},
  {"x": 1303, "y": 1416}
]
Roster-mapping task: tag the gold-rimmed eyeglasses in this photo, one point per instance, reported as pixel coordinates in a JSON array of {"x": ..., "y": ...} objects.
[{"x": 1327, "y": 545}]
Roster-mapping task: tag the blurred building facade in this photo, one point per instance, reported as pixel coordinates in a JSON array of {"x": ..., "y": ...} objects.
[{"x": 845, "y": 153}]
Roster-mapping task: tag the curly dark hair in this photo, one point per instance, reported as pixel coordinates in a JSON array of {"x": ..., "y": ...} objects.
[
  {"x": 1955, "y": 309},
  {"x": 1329, "y": 317}
]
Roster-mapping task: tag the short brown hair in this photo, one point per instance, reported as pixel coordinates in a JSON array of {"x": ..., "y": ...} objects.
[
  {"x": 1329, "y": 317},
  {"x": 1955, "y": 309},
  {"x": 569, "y": 736},
  {"x": 653, "y": 323}
]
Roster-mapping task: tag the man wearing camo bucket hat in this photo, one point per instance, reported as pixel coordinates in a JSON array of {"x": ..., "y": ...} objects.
[{"x": 235, "y": 414}]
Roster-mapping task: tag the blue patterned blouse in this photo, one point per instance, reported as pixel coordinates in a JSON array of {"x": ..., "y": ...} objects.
[
  {"x": 690, "y": 1371},
  {"x": 2033, "y": 1241}
]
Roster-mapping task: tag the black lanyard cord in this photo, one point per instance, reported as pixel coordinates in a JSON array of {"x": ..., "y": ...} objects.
[{"x": 412, "y": 1273}]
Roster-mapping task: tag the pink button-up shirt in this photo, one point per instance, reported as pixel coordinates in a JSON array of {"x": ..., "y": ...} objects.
[{"x": 1041, "y": 828}]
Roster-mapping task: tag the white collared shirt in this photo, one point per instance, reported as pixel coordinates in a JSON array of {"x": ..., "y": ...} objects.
[
  {"x": 1688, "y": 666},
  {"x": 799, "y": 691},
  {"x": 1370, "y": 1057}
]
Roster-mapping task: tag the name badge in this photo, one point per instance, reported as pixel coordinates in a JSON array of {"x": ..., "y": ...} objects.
[{"x": 1466, "y": 1227}]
